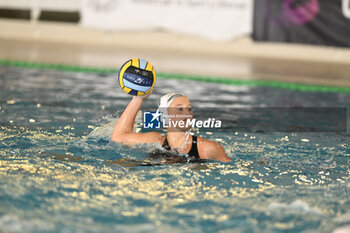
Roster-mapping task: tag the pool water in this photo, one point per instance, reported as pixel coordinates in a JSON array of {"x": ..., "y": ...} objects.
[{"x": 59, "y": 171}]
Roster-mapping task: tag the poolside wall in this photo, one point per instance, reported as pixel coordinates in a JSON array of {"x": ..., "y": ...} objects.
[{"x": 68, "y": 43}]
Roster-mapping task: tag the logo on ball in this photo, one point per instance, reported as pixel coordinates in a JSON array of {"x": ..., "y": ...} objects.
[{"x": 137, "y": 77}]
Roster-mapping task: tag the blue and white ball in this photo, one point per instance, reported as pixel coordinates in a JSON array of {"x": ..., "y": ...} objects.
[{"x": 137, "y": 77}]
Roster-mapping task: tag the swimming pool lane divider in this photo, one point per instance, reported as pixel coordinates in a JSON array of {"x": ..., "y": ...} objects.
[{"x": 210, "y": 79}]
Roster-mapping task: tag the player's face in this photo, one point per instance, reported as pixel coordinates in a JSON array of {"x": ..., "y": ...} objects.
[{"x": 180, "y": 110}]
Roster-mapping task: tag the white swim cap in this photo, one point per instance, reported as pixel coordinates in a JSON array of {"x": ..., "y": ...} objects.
[{"x": 164, "y": 103}]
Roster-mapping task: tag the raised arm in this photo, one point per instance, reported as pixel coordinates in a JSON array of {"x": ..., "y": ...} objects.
[{"x": 123, "y": 130}]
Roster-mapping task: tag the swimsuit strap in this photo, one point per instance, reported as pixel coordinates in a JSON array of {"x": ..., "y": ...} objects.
[
  {"x": 166, "y": 144},
  {"x": 193, "y": 151},
  {"x": 194, "y": 148}
]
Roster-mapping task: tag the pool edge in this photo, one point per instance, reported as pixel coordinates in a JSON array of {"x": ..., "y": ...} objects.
[{"x": 210, "y": 79}]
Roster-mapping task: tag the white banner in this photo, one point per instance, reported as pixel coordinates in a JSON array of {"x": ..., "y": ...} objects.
[
  {"x": 61, "y": 5},
  {"x": 214, "y": 19}
]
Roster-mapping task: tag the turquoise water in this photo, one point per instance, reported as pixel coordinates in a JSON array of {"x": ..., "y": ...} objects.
[{"x": 59, "y": 172}]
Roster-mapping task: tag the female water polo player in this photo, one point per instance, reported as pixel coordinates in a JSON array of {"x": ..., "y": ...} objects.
[{"x": 177, "y": 107}]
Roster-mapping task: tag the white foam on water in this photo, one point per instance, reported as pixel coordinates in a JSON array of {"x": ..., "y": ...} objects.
[
  {"x": 13, "y": 223},
  {"x": 343, "y": 218},
  {"x": 297, "y": 205},
  {"x": 102, "y": 131}
]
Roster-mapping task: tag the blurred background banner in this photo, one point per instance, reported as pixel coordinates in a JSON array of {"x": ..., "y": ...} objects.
[
  {"x": 214, "y": 19},
  {"x": 321, "y": 22}
]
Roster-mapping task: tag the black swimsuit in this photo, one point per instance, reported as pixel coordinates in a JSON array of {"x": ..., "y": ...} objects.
[
  {"x": 192, "y": 154},
  {"x": 173, "y": 157}
]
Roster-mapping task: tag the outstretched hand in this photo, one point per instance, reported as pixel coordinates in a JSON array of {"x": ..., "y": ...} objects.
[{"x": 143, "y": 97}]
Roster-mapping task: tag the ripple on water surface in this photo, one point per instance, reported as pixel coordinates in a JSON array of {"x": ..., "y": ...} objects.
[{"x": 60, "y": 172}]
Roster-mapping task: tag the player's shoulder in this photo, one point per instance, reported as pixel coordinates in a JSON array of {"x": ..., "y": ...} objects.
[
  {"x": 207, "y": 148},
  {"x": 207, "y": 142}
]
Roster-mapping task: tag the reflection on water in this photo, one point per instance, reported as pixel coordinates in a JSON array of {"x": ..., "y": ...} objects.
[{"x": 60, "y": 172}]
